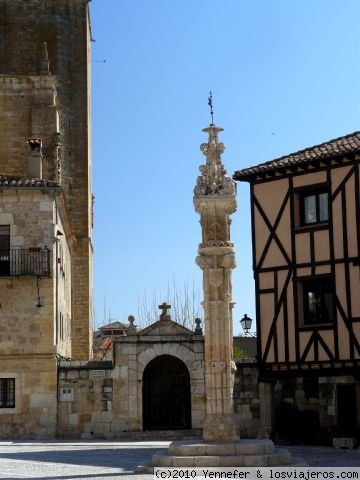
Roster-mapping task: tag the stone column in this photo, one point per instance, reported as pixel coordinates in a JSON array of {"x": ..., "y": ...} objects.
[{"x": 214, "y": 200}]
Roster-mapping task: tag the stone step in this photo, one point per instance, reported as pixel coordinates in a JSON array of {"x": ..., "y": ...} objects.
[
  {"x": 149, "y": 469},
  {"x": 278, "y": 458},
  {"x": 242, "y": 453},
  {"x": 164, "y": 435},
  {"x": 202, "y": 448}
]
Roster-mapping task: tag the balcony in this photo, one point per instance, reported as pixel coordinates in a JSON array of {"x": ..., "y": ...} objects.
[{"x": 33, "y": 262}]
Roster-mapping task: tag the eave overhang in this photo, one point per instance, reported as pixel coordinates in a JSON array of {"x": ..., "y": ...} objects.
[{"x": 338, "y": 151}]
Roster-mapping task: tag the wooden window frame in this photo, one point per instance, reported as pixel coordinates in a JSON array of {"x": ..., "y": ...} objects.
[
  {"x": 305, "y": 284},
  {"x": 313, "y": 191}
]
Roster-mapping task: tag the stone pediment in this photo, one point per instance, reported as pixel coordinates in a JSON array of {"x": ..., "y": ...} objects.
[{"x": 165, "y": 327}]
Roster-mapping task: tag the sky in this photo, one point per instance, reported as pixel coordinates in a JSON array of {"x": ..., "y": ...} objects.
[{"x": 285, "y": 75}]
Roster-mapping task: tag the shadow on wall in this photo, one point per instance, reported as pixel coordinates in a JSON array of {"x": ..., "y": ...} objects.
[{"x": 295, "y": 426}]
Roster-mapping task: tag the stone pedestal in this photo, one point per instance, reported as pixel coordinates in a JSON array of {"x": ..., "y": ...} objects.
[{"x": 243, "y": 453}]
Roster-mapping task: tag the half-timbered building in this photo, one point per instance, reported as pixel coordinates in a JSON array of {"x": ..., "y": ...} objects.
[{"x": 306, "y": 244}]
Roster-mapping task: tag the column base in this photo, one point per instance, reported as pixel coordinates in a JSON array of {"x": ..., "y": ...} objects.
[
  {"x": 221, "y": 427},
  {"x": 198, "y": 454}
]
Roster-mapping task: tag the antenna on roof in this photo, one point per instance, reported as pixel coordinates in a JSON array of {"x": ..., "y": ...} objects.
[{"x": 211, "y": 107}]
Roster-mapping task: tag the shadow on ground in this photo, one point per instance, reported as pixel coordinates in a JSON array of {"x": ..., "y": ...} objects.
[{"x": 117, "y": 457}]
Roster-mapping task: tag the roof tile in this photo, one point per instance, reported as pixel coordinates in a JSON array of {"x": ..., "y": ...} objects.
[
  {"x": 339, "y": 146},
  {"x": 114, "y": 325}
]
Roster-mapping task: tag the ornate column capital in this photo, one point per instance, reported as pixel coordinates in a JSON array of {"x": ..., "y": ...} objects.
[{"x": 213, "y": 179}]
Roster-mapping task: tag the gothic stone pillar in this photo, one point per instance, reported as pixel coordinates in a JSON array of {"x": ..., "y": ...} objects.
[{"x": 215, "y": 200}]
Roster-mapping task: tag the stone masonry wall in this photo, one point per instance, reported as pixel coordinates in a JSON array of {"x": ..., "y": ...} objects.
[
  {"x": 28, "y": 109},
  {"x": 27, "y": 315},
  {"x": 62, "y": 263},
  {"x": 64, "y": 26},
  {"x": 26, "y": 328},
  {"x": 309, "y": 404},
  {"x": 105, "y": 400},
  {"x": 34, "y": 415},
  {"x": 303, "y": 409},
  {"x": 86, "y": 400},
  {"x": 102, "y": 401},
  {"x": 246, "y": 399}
]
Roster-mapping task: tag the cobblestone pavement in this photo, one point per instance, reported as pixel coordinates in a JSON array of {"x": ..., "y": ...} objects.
[{"x": 117, "y": 460}]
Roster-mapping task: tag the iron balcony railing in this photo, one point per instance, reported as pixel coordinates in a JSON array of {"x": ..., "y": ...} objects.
[{"x": 25, "y": 261}]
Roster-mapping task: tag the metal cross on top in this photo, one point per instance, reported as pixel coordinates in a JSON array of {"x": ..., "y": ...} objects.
[
  {"x": 164, "y": 307},
  {"x": 211, "y": 107}
]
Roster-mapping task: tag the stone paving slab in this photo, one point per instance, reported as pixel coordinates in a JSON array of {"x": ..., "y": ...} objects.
[
  {"x": 93, "y": 460},
  {"x": 75, "y": 460},
  {"x": 326, "y": 456}
]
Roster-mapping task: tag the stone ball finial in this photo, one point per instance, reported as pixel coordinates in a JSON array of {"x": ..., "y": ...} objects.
[
  {"x": 132, "y": 328},
  {"x": 198, "y": 329}
]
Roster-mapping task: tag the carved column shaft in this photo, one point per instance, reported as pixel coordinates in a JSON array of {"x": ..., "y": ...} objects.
[{"x": 215, "y": 200}]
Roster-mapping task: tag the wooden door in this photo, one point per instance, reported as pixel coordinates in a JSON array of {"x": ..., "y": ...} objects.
[{"x": 166, "y": 395}]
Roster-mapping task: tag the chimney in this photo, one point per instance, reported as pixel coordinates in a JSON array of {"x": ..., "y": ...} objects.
[{"x": 34, "y": 157}]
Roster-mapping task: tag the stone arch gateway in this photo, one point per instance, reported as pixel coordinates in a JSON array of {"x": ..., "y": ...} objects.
[
  {"x": 166, "y": 394},
  {"x": 134, "y": 355}
]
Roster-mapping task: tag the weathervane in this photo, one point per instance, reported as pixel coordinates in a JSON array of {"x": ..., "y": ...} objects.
[{"x": 211, "y": 107}]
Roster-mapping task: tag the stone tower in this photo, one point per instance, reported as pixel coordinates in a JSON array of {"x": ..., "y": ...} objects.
[
  {"x": 214, "y": 200},
  {"x": 45, "y": 95}
]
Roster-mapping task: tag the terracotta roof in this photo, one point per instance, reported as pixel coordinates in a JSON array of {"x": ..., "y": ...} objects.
[
  {"x": 114, "y": 325},
  {"x": 10, "y": 181},
  {"x": 334, "y": 148},
  {"x": 102, "y": 348}
]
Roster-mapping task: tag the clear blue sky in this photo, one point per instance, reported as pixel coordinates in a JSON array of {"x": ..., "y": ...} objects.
[{"x": 285, "y": 75}]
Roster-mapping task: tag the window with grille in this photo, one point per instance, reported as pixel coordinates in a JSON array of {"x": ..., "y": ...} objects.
[{"x": 7, "y": 392}]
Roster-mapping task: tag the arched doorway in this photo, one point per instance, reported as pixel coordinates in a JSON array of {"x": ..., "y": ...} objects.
[{"x": 166, "y": 394}]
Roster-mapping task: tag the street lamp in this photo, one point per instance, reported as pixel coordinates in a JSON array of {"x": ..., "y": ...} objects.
[{"x": 246, "y": 324}]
